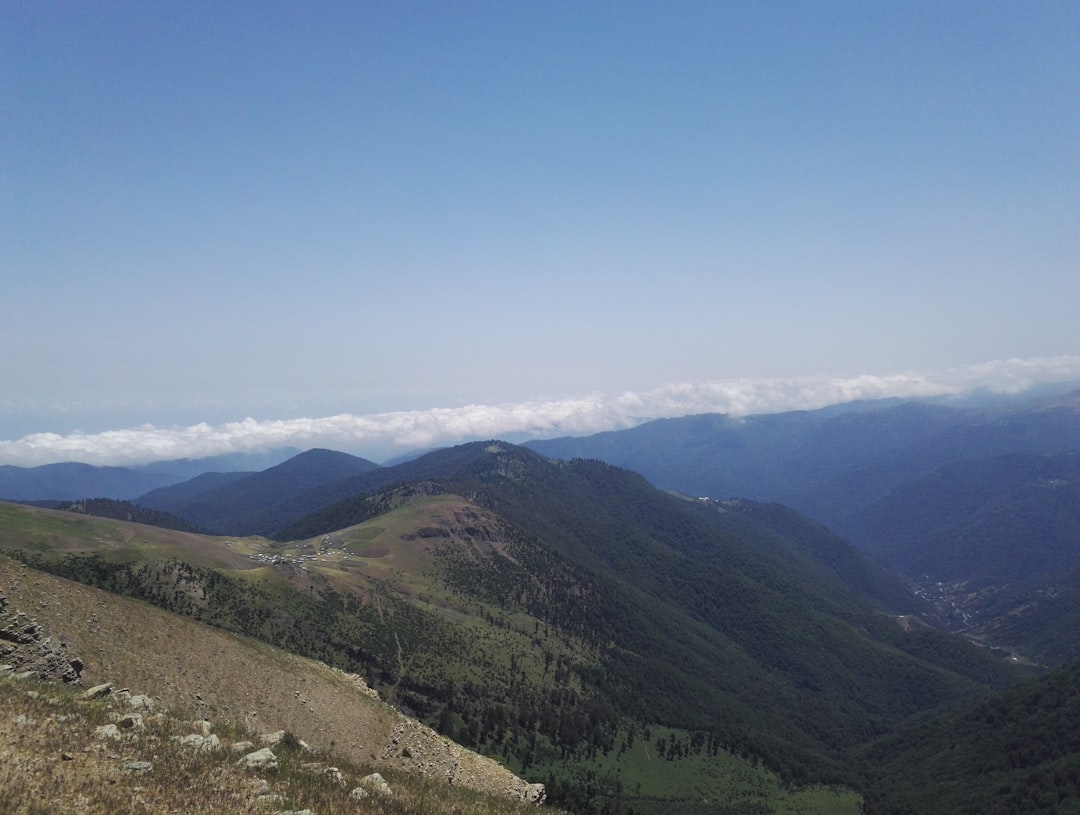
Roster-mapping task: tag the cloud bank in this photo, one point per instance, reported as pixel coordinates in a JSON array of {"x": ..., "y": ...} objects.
[{"x": 384, "y": 434}]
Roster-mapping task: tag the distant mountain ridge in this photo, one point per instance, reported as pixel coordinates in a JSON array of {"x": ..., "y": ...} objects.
[
  {"x": 250, "y": 503},
  {"x": 826, "y": 463},
  {"x": 71, "y": 481},
  {"x": 1003, "y": 519}
]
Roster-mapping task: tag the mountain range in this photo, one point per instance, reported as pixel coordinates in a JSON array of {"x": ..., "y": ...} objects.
[
  {"x": 665, "y": 618},
  {"x": 72, "y": 481},
  {"x": 554, "y": 613}
]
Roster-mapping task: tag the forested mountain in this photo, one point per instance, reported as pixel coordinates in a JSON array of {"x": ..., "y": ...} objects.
[
  {"x": 71, "y": 481},
  {"x": 1006, "y": 519},
  {"x": 252, "y": 503},
  {"x": 1018, "y": 751},
  {"x": 557, "y": 613}
]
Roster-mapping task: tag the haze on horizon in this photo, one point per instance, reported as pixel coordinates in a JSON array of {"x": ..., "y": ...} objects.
[
  {"x": 409, "y": 223},
  {"x": 386, "y": 435}
]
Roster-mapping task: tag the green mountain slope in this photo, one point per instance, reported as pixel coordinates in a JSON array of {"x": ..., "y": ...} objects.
[
  {"x": 552, "y": 613},
  {"x": 686, "y": 567},
  {"x": 1018, "y": 751}
]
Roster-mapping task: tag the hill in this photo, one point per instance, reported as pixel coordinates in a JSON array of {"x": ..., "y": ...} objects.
[
  {"x": 557, "y": 613},
  {"x": 1017, "y": 751},
  {"x": 71, "y": 481},
  {"x": 188, "y": 671},
  {"x": 830, "y": 463},
  {"x": 999, "y": 520},
  {"x": 121, "y": 510},
  {"x": 250, "y": 503}
]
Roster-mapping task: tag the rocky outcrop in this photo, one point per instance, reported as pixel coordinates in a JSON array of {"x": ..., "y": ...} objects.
[
  {"x": 26, "y": 650},
  {"x": 417, "y": 748}
]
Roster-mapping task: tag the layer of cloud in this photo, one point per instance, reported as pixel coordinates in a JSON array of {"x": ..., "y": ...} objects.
[{"x": 383, "y": 434}]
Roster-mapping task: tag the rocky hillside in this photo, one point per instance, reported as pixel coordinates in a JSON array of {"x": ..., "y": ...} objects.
[{"x": 235, "y": 690}]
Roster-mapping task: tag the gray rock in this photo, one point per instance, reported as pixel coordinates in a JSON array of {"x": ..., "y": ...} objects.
[
  {"x": 98, "y": 691},
  {"x": 262, "y": 759},
  {"x": 200, "y": 743},
  {"x": 377, "y": 784},
  {"x": 141, "y": 703}
]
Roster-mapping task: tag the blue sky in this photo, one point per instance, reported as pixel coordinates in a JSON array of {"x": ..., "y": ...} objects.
[{"x": 287, "y": 212}]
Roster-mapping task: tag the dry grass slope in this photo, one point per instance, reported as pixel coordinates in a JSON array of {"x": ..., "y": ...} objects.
[{"x": 202, "y": 673}]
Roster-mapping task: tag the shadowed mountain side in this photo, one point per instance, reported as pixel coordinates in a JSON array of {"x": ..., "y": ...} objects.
[
  {"x": 859, "y": 573},
  {"x": 1007, "y": 519},
  {"x": 1016, "y": 751}
]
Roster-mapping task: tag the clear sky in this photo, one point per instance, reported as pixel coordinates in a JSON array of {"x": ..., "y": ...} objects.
[{"x": 283, "y": 212}]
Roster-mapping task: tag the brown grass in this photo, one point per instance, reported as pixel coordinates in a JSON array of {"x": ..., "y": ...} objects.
[
  {"x": 52, "y": 762},
  {"x": 199, "y": 672}
]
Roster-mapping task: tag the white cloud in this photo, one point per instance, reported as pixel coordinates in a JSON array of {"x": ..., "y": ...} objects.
[{"x": 383, "y": 434}]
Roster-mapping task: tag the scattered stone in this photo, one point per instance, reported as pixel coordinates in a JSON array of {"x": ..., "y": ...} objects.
[
  {"x": 200, "y": 743},
  {"x": 333, "y": 774},
  {"x": 98, "y": 691},
  {"x": 377, "y": 784},
  {"x": 141, "y": 702},
  {"x": 107, "y": 731},
  {"x": 241, "y": 747},
  {"x": 262, "y": 759},
  {"x": 272, "y": 739}
]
